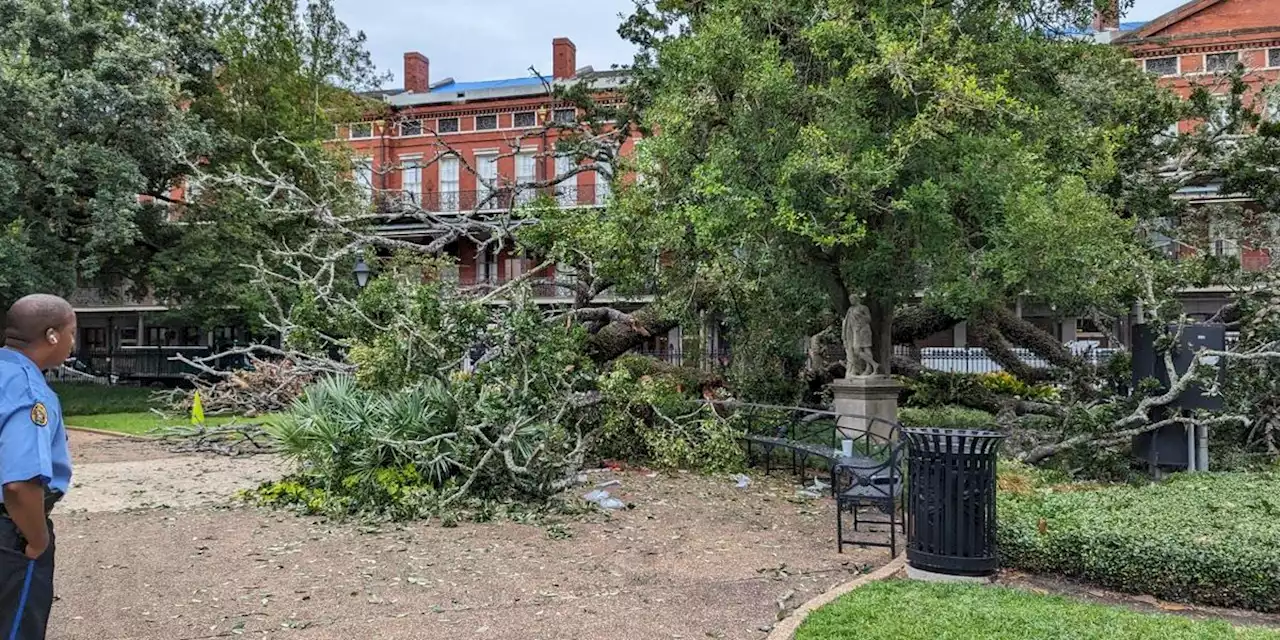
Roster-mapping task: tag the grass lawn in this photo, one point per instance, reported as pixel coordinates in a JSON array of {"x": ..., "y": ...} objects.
[
  {"x": 138, "y": 423},
  {"x": 909, "y": 610},
  {"x": 82, "y": 399}
]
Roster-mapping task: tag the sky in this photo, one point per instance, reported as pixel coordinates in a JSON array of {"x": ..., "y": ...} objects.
[{"x": 493, "y": 39}]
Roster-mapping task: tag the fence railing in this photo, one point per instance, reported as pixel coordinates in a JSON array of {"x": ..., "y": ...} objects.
[
  {"x": 976, "y": 359},
  {"x": 500, "y": 199}
]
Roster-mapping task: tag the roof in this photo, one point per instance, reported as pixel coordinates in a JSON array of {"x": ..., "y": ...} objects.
[
  {"x": 1178, "y": 14},
  {"x": 463, "y": 87},
  {"x": 451, "y": 91},
  {"x": 1077, "y": 32}
]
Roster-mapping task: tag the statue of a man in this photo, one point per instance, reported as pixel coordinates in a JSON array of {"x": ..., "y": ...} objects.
[{"x": 856, "y": 333}]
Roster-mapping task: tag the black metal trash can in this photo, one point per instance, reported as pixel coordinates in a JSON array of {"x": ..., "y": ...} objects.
[{"x": 951, "y": 486}]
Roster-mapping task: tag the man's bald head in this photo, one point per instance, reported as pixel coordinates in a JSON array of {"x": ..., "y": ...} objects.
[{"x": 31, "y": 320}]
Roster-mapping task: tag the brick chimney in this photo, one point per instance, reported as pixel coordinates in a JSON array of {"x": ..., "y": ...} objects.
[
  {"x": 564, "y": 59},
  {"x": 417, "y": 72},
  {"x": 1108, "y": 19}
]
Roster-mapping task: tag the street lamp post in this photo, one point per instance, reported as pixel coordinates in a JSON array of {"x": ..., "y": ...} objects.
[{"x": 362, "y": 273}]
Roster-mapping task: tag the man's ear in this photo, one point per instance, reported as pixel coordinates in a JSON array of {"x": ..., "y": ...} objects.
[{"x": 51, "y": 336}]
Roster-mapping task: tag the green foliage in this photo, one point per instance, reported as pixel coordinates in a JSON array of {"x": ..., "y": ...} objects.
[
  {"x": 649, "y": 417},
  {"x": 946, "y": 418},
  {"x": 939, "y": 388},
  {"x": 883, "y": 149},
  {"x": 910, "y": 610},
  {"x": 93, "y": 399},
  {"x": 90, "y": 116},
  {"x": 1005, "y": 384},
  {"x": 289, "y": 70},
  {"x": 1207, "y": 538}
]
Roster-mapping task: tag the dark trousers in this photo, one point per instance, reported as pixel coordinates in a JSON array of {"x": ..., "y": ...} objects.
[{"x": 26, "y": 586}]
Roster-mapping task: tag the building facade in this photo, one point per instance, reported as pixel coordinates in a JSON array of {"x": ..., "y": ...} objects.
[
  {"x": 480, "y": 148},
  {"x": 1199, "y": 45}
]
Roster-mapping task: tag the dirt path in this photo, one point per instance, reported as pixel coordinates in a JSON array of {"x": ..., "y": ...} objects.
[
  {"x": 118, "y": 474},
  {"x": 695, "y": 558}
]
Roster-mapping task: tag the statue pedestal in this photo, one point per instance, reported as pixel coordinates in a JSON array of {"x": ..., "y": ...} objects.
[{"x": 860, "y": 398}]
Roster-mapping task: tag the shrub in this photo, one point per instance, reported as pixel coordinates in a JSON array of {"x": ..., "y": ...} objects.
[
  {"x": 649, "y": 417},
  {"x": 939, "y": 388},
  {"x": 908, "y": 610},
  {"x": 1207, "y": 538},
  {"x": 946, "y": 418}
]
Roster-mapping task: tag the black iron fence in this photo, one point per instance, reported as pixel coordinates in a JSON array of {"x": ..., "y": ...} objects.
[{"x": 142, "y": 364}]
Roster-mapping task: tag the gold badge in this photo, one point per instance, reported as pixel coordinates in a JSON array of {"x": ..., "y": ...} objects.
[{"x": 39, "y": 414}]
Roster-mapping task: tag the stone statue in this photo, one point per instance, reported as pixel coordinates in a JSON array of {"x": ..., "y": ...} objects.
[{"x": 856, "y": 333}]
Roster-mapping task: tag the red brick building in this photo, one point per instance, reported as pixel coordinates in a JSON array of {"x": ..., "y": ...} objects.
[
  {"x": 448, "y": 146},
  {"x": 1198, "y": 45}
]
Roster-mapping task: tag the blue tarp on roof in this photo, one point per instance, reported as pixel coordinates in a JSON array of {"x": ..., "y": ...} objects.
[
  {"x": 1125, "y": 27},
  {"x": 460, "y": 87}
]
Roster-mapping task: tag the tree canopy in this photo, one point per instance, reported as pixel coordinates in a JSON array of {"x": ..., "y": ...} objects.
[
  {"x": 91, "y": 96},
  {"x": 812, "y": 149}
]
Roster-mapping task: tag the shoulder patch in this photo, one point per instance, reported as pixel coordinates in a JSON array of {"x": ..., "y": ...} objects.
[{"x": 39, "y": 414}]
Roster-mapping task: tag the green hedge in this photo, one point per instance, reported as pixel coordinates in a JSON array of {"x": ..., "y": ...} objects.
[
  {"x": 946, "y": 418},
  {"x": 1207, "y": 538},
  {"x": 907, "y": 610}
]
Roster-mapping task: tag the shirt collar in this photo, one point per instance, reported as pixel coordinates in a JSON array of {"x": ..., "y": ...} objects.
[{"x": 18, "y": 357}]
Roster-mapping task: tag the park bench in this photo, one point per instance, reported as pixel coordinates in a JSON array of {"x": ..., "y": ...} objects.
[{"x": 869, "y": 476}]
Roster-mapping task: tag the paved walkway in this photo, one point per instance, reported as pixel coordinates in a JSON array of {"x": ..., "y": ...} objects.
[{"x": 695, "y": 558}]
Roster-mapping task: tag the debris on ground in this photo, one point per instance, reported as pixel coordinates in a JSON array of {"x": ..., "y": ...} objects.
[
  {"x": 609, "y": 483},
  {"x": 742, "y": 480},
  {"x": 603, "y": 500}
]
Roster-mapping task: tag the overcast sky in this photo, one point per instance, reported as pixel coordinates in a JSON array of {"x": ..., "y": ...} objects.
[{"x": 492, "y": 39}]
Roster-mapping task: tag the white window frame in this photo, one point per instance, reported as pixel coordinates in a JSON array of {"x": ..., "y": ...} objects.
[
  {"x": 457, "y": 125},
  {"x": 604, "y": 184},
  {"x": 1220, "y": 245},
  {"x": 351, "y": 131},
  {"x": 526, "y": 175},
  {"x": 521, "y": 113},
  {"x": 566, "y": 277},
  {"x": 1177, "y": 62},
  {"x": 486, "y": 170},
  {"x": 449, "y": 181},
  {"x": 1205, "y": 62},
  {"x": 566, "y": 190},
  {"x": 1267, "y": 61},
  {"x": 411, "y": 178},
  {"x": 421, "y": 127},
  {"x": 1218, "y": 120},
  {"x": 555, "y": 115},
  {"x": 1271, "y": 104},
  {"x": 487, "y": 115},
  {"x": 362, "y": 176}
]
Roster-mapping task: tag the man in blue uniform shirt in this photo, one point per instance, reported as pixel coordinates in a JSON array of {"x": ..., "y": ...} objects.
[{"x": 35, "y": 465}]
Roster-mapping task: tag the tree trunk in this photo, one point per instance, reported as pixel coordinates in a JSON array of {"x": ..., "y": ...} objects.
[
  {"x": 1024, "y": 334},
  {"x": 881, "y": 332},
  {"x": 618, "y": 338},
  {"x": 984, "y": 332},
  {"x": 919, "y": 322}
]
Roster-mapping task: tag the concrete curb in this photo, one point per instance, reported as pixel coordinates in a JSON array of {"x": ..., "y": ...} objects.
[
  {"x": 104, "y": 432},
  {"x": 786, "y": 629}
]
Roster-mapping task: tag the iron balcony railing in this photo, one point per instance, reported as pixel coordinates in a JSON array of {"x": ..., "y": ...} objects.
[{"x": 501, "y": 199}]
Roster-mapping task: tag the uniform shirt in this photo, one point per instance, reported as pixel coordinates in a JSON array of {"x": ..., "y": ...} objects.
[{"x": 33, "y": 440}]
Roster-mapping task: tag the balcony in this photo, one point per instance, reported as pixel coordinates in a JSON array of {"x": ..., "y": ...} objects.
[{"x": 489, "y": 200}]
